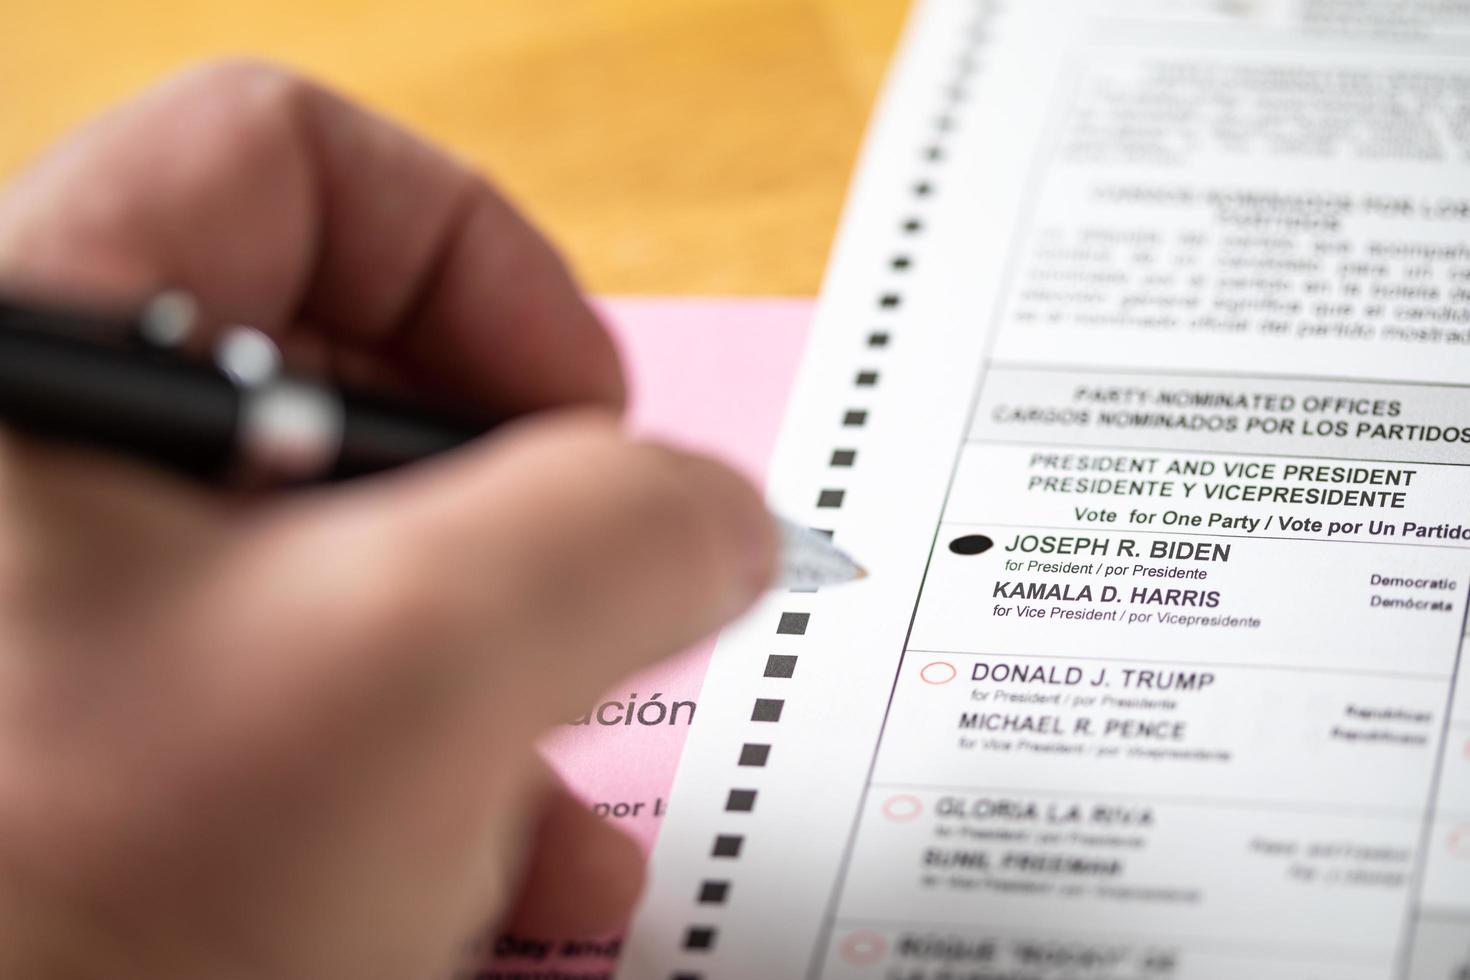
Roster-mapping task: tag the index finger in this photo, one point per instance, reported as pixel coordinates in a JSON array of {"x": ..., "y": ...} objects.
[{"x": 282, "y": 205}]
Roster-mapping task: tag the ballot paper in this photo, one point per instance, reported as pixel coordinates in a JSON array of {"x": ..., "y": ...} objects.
[{"x": 1141, "y": 384}]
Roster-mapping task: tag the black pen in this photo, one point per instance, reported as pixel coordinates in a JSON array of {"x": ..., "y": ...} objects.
[{"x": 123, "y": 383}]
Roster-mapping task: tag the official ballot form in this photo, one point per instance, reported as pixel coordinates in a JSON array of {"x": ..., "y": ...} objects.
[{"x": 1141, "y": 384}]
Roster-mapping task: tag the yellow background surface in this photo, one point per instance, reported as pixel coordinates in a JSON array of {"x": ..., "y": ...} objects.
[{"x": 669, "y": 146}]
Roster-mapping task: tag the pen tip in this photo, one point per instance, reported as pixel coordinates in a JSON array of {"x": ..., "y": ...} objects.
[{"x": 861, "y": 573}]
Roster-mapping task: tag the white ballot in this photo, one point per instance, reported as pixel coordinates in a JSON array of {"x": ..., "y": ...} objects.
[{"x": 1141, "y": 385}]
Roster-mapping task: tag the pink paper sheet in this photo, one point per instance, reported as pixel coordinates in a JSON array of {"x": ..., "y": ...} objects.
[
  {"x": 705, "y": 374},
  {"x": 711, "y": 374}
]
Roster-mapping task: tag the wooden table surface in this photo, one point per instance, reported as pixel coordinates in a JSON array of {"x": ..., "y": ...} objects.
[{"x": 670, "y": 146}]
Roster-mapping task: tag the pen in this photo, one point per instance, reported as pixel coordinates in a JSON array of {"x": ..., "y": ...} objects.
[{"x": 122, "y": 383}]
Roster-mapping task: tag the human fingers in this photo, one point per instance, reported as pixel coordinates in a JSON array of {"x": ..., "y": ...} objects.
[
  {"x": 388, "y": 651},
  {"x": 583, "y": 875},
  {"x": 537, "y": 568},
  {"x": 278, "y": 204}
]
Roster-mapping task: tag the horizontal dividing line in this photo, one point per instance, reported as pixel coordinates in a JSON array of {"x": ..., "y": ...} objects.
[
  {"x": 1120, "y": 32},
  {"x": 1351, "y": 671},
  {"x": 1452, "y": 813},
  {"x": 1411, "y": 814},
  {"x": 1441, "y": 914},
  {"x": 1153, "y": 940},
  {"x": 970, "y": 441},
  {"x": 1056, "y": 368},
  {"x": 1198, "y": 534}
]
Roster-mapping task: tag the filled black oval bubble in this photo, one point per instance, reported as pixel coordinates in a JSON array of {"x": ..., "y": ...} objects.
[{"x": 971, "y": 544}]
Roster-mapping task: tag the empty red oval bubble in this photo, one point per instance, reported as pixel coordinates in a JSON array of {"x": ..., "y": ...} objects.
[{"x": 938, "y": 672}]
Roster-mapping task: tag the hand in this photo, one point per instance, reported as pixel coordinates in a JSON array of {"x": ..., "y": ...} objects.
[{"x": 293, "y": 737}]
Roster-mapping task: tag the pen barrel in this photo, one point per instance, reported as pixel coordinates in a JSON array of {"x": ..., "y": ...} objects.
[{"x": 71, "y": 390}]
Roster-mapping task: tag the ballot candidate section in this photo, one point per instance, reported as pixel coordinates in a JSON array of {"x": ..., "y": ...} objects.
[
  {"x": 1184, "y": 697},
  {"x": 1254, "y": 601},
  {"x": 1165, "y": 728},
  {"x": 1317, "y": 888}
]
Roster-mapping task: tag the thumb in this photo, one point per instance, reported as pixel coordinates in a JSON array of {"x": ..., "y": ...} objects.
[{"x": 559, "y": 556}]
